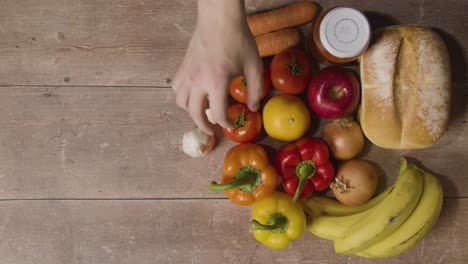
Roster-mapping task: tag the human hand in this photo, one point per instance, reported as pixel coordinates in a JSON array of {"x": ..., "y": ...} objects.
[{"x": 221, "y": 48}]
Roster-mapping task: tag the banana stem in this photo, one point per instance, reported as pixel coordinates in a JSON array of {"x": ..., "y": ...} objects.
[{"x": 403, "y": 164}]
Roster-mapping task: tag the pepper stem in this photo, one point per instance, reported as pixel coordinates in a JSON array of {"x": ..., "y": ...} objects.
[
  {"x": 247, "y": 179},
  {"x": 304, "y": 171},
  {"x": 276, "y": 223}
]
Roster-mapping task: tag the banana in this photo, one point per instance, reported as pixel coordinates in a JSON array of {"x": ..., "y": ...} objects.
[
  {"x": 415, "y": 227},
  {"x": 319, "y": 205},
  {"x": 329, "y": 218},
  {"x": 387, "y": 216},
  {"x": 331, "y": 227}
]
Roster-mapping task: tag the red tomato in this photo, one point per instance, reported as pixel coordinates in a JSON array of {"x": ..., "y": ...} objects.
[
  {"x": 238, "y": 87},
  {"x": 248, "y": 124},
  {"x": 291, "y": 71}
]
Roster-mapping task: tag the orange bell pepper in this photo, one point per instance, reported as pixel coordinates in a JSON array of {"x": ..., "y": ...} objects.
[{"x": 248, "y": 174}]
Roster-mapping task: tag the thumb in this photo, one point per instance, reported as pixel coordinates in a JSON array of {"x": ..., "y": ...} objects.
[{"x": 253, "y": 73}]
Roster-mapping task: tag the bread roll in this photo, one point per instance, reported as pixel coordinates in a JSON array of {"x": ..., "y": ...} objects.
[{"x": 405, "y": 78}]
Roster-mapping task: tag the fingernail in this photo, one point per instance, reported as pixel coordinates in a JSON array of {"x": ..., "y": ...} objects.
[{"x": 254, "y": 108}]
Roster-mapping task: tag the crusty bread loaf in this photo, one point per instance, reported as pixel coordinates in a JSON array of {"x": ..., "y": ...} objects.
[{"x": 405, "y": 78}]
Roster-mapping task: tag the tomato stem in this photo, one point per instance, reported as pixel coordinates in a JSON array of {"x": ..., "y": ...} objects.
[
  {"x": 240, "y": 121},
  {"x": 277, "y": 223},
  {"x": 294, "y": 68},
  {"x": 304, "y": 171},
  {"x": 244, "y": 82}
]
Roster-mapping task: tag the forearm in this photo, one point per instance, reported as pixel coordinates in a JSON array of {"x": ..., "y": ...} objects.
[{"x": 221, "y": 11}]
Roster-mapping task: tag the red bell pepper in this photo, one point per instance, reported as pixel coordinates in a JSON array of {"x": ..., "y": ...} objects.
[{"x": 304, "y": 166}]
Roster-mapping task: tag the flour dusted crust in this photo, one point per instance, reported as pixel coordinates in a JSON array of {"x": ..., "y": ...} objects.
[{"x": 405, "y": 78}]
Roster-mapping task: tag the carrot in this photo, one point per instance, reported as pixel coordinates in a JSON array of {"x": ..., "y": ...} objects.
[
  {"x": 273, "y": 43},
  {"x": 291, "y": 15}
]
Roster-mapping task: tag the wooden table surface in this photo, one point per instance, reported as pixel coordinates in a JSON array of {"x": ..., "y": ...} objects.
[{"x": 91, "y": 169}]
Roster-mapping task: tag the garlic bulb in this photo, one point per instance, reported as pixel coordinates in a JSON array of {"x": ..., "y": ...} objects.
[{"x": 197, "y": 143}]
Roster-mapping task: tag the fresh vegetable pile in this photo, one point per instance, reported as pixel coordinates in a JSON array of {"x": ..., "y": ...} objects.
[{"x": 286, "y": 195}]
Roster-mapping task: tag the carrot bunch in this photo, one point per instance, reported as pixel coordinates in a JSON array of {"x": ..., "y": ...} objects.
[{"x": 273, "y": 30}]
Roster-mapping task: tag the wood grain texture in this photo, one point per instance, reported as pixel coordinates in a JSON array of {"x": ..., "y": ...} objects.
[
  {"x": 124, "y": 142},
  {"x": 208, "y": 231},
  {"x": 88, "y": 142},
  {"x": 141, "y": 43},
  {"x": 86, "y": 113}
]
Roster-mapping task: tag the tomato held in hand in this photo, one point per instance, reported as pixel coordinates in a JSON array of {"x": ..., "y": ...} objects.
[
  {"x": 247, "y": 124},
  {"x": 291, "y": 71},
  {"x": 238, "y": 87}
]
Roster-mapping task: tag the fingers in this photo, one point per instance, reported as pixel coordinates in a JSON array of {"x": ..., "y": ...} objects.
[
  {"x": 218, "y": 104},
  {"x": 179, "y": 85},
  {"x": 183, "y": 95},
  {"x": 179, "y": 76},
  {"x": 197, "y": 106},
  {"x": 253, "y": 72}
]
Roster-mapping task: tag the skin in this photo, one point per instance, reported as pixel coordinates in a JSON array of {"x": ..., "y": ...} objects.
[{"x": 221, "y": 48}]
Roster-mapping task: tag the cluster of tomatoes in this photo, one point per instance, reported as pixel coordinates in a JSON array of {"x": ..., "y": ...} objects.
[{"x": 285, "y": 117}]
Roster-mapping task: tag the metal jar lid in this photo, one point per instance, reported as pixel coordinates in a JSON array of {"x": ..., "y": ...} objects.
[{"x": 345, "y": 32}]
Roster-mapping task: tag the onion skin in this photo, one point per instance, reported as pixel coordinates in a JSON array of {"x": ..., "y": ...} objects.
[
  {"x": 345, "y": 138},
  {"x": 355, "y": 182}
]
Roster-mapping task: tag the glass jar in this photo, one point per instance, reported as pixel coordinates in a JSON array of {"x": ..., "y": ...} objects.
[{"x": 340, "y": 35}]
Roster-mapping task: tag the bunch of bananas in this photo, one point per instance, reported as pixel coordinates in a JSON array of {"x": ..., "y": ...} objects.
[{"x": 385, "y": 226}]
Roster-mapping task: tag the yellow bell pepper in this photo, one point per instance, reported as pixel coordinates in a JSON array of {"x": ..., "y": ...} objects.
[{"x": 276, "y": 220}]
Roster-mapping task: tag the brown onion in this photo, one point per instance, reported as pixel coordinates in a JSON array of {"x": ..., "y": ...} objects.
[
  {"x": 345, "y": 138},
  {"x": 355, "y": 182}
]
